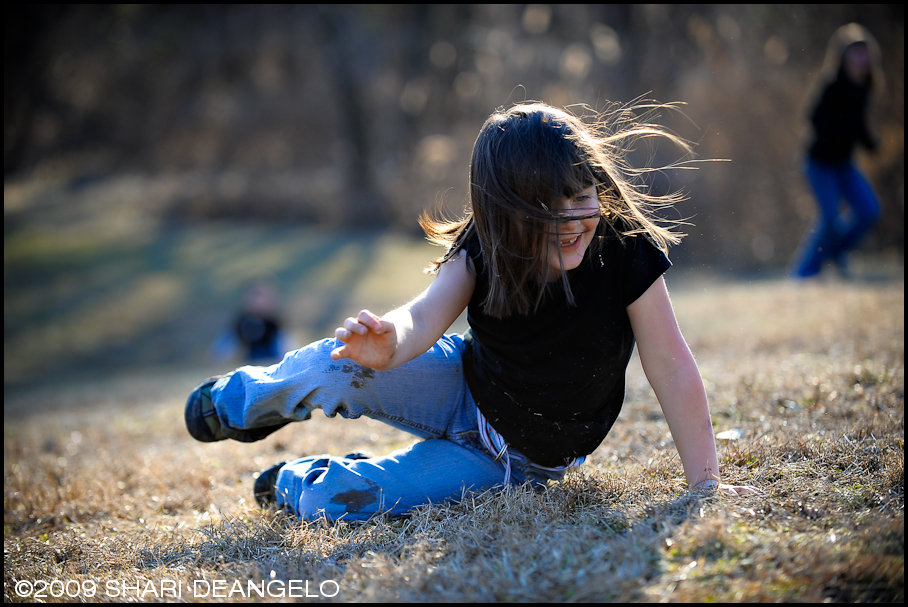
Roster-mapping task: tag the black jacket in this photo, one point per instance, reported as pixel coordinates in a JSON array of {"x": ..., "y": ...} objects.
[{"x": 839, "y": 121}]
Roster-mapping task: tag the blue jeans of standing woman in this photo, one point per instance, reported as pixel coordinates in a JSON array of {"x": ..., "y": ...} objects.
[
  {"x": 427, "y": 397},
  {"x": 833, "y": 235}
]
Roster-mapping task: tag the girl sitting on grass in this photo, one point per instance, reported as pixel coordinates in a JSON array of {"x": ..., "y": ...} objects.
[{"x": 560, "y": 270}]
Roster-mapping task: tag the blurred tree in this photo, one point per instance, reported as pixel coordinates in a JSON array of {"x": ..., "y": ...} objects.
[
  {"x": 365, "y": 114},
  {"x": 29, "y": 108},
  {"x": 347, "y": 48}
]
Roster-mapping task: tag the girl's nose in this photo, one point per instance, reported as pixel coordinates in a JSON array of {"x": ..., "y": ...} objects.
[{"x": 572, "y": 226}]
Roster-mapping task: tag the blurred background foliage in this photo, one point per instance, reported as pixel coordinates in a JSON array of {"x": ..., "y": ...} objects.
[
  {"x": 157, "y": 157},
  {"x": 364, "y": 115}
]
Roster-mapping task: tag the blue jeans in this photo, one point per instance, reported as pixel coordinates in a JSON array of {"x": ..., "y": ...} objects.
[
  {"x": 427, "y": 397},
  {"x": 833, "y": 235}
]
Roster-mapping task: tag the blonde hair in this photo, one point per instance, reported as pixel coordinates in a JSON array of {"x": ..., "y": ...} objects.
[{"x": 526, "y": 161}]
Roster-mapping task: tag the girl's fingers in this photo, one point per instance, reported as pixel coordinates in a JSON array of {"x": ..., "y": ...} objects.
[
  {"x": 370, "y": 320},
  {"x": 361, "y": 325},
  {"x": 741, "y": 490},
  {"x": 354, "y": 326}
]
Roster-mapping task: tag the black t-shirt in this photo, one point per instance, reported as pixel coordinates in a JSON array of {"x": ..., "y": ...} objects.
[{"x": 552, "y": 383}]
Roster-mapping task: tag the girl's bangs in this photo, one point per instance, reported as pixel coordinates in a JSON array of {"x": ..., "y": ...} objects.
[{"x": 563, "y": 175}]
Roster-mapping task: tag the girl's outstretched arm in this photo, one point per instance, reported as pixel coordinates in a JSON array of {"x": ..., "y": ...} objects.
[
  {"x": 675, "y": 378},
  {"x": 401, "y": 335}
]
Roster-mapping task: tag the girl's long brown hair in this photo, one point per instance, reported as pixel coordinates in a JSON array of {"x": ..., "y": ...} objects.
[{"x": 526, "y": 161}]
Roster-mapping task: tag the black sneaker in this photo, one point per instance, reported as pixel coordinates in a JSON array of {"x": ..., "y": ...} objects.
[
  {"x": 263, "y": 488},
  {"x": 204, "y": 425},
  {"x": 201, "y": 418}
]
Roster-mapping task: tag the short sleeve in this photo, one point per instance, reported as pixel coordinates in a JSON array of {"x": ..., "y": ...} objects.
[
  {"x": 474, "y": 249},
  {"x": 643, "y": 264}
]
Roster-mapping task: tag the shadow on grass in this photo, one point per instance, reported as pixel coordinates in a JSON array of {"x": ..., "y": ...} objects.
[{"x": 77, "y": 308}]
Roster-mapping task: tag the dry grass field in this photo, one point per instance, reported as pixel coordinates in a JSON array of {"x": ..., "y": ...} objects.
[{"x": 106, "y": 497}]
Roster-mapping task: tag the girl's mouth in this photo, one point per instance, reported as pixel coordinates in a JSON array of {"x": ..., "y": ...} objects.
[{"x": 567, "y": 243}]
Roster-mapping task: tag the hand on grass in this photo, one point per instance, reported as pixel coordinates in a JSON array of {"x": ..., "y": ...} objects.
[
  {"x": 714, "y": 486},
  {"x": 368, "y": 340},
  {"x": 739, "y": 490}
]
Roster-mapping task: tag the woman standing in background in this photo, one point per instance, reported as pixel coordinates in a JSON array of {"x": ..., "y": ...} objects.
[{"x": 839, "y": 124}]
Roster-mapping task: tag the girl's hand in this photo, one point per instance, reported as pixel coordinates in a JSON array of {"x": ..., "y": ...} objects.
[
  {"x": 368, "y": 340},
  {"x": 385, "y": 342},
  {"x": 739, "y": 490},
  {"x": 714, "y": 486}
]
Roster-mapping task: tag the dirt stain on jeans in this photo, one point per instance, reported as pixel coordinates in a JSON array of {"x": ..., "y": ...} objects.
[
  {"x": 360, "y": 374},
  {"x": 356, "y": 500}
]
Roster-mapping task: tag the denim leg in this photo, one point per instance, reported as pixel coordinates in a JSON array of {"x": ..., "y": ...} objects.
[
  {"x": 865, "y": 209},
  {"x": 431, "y": 471},
  {"x": 427, "y": 397},
  {"x": 424, "y": 396},
  {"x": 825, "y": 232}
]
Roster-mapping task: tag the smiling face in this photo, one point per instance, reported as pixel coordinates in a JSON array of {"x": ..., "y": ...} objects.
[
  {"x": 567, "y": 247},
  {"x": 534, "y": 201}
]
